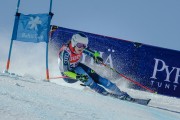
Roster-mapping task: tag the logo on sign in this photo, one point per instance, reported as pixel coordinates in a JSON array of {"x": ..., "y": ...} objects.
[
  {"x": 171, "y": 75},
  {"x": 108, "y": 61}
]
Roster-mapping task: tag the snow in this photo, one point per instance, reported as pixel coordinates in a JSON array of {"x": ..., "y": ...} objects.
[{"x": 26, "y": 98}]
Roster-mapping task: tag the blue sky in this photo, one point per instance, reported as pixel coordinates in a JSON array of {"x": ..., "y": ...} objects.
[{"x": 153, "y": 22}]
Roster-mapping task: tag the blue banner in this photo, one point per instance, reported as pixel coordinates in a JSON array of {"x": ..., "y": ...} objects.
[
  {"x": 154, "y": 67},
  {"x": 31, "y": 28}
]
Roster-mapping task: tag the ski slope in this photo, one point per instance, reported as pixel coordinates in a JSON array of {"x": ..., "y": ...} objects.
[{"x": 26, "y": 98}]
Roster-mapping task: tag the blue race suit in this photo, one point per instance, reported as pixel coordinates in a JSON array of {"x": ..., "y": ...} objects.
[{"x": 69, "y": 61}]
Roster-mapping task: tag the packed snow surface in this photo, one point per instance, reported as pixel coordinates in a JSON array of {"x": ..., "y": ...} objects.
[{"x": 26, "y": 98}]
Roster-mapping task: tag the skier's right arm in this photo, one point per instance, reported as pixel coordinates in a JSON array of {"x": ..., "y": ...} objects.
[{"x": 64, "y": 63}]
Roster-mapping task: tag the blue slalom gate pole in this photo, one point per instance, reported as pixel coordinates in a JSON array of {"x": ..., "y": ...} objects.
[
  {"x": 9, "y": 56},
  {"x": 47, "y": 68},
  {"x": 50, "y": 8},
  {"x": 17, "y": 9},
  {"x": 10, "y": 49}
]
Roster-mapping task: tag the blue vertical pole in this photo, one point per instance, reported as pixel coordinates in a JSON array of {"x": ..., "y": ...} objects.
[
  {"x": 10, "y": 49},
  {"x": 50, "y": 8},
  {"x": 9, "y": 56},
  {"x": 17, "y": 9},
  {"x": 47, "y": 69}
]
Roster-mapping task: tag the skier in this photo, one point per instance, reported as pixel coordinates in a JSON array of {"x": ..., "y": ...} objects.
[{"x": 69, "y": 64}]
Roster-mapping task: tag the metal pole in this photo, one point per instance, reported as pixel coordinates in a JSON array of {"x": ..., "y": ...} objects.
[
  {"x": 58, "y": 77},
  {"x": 10, "y": 49},
  {"x": 9, "y": 56},
  {"x": 17, "y": 9},
  {"x": 135, "y": 82},
  {"x": 50, "y": 8},
  {"x": 47, "y": 69}
]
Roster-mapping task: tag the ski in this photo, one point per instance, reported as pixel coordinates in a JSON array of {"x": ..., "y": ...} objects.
[
  {"x": 130, "y": 99},
  {"x": 141, "y": 101}
]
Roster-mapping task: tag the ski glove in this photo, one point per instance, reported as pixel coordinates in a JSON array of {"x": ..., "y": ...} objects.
[
  {"x": 70, "y": 74},
  {"x": 97, "y": 58},
  {"x": 82, "y": 78}
]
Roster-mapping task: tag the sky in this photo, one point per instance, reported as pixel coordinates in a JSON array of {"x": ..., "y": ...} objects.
[{"x": 152, "y": 22}]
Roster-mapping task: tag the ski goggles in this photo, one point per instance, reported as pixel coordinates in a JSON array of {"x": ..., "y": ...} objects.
[{"x": 80, "y": 45}]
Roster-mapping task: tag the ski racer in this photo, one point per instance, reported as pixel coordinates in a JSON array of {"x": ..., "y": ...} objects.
[{"x": 69, "y": 64}]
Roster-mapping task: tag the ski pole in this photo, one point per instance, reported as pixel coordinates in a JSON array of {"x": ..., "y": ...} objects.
[
  {"x": 135, "y": 82},
  {"x": 59, "y": 77}
]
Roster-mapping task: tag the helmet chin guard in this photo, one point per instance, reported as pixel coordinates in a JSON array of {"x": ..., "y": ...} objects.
[{"x": 79, "y": 38}]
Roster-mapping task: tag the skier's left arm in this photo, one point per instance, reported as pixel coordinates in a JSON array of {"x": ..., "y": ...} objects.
[{"x": 95, "y": 55}]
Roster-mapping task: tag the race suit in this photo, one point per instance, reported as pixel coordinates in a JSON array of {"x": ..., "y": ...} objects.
[{"x": 69, "y": 61}]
